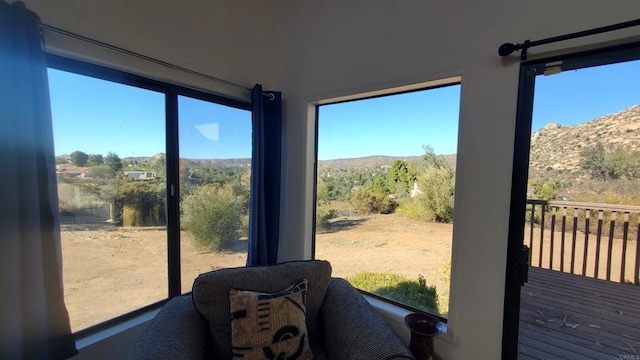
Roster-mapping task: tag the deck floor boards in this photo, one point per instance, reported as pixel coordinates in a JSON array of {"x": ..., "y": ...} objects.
[{"x": 565, "y": 316}]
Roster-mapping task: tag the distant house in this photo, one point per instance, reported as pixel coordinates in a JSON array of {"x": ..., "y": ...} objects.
[
  {"x": 68, "y": 170},
  {"x": 415, "y": 191},
  {"x": 141, "y": 175}
]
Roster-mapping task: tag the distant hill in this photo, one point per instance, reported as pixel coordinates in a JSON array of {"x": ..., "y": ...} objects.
[
  {"x": 377, "y": 160},
  {"x": 557, "y": 148},
  {"x": 553, "y": 148}
]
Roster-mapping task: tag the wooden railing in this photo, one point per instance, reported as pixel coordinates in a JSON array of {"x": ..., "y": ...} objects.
[{"x": 595, "y": 240}]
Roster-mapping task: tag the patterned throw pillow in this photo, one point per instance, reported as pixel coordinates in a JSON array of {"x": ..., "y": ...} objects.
[{"x": 270, "y": 326}]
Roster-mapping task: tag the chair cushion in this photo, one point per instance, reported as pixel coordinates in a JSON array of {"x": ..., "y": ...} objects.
[
  {"x": 270, "y": 325},
  {"x": 211, "y": 294}
]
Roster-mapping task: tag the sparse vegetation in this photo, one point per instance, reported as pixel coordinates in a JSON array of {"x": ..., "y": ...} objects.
[{"x": 414, "y": 293}]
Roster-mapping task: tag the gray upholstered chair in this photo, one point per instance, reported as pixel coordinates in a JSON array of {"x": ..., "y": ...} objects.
[{"x": 340, "y": 322}]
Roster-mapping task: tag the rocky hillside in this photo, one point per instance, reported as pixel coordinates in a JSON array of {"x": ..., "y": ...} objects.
[{"x": 557, "y": 148}]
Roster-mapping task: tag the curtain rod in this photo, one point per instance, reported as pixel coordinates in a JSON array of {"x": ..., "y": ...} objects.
[
  {"x": 507, "y": 49},
  {"x": 140, "y": 56}
]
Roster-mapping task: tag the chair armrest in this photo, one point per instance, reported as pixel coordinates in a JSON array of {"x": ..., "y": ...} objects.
[
  {"x": 177, "y": 332},
  {"x": 354, "y": 330}
]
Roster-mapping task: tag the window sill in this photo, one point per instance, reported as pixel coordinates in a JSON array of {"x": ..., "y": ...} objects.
[
  {"x": 114, "y": 341},
  {"x": 394, "y": 316}
]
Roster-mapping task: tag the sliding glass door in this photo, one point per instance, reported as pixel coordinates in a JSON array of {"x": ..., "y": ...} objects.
[{"x": 576, "y": 208}]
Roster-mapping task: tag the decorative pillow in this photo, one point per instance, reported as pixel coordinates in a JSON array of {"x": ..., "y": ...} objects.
[
  {"x": 211, "y": 295},
  {"x": 270, "y": 326}
]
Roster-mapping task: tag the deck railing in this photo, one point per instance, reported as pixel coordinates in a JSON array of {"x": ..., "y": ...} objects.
[{"x": 594, "y": 240}]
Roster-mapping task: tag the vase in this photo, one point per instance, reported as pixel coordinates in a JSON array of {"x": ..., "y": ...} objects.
[{"x": 423, "y": 329}]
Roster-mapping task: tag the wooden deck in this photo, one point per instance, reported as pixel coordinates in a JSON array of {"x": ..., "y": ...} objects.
[{"x": 565, "y": 316}]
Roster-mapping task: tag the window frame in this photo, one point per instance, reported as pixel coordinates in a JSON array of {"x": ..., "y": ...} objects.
[
  {"x": 171, "y": 93},
  {"x": 430, "y": 85}
]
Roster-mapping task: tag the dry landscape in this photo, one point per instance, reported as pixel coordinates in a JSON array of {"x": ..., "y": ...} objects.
[{"x": 110, "y": 270}]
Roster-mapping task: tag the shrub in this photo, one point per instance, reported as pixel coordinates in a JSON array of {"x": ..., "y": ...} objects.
[
  {"x": 323, "y": 214},
  {"x": 244, "y": 228},
  {"x": 398, "y": 288},
  {"x": 213, "y": 215},
  {"x": 415, "y": 209},
  {"x": 365, "y": 202},
  {"x": 437, "y": 186}
]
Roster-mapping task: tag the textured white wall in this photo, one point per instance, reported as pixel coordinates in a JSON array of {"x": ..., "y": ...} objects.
[{"x": 334, "y": 48}]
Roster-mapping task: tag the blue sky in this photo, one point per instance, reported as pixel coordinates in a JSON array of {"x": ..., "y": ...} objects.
[
  {"x": 577, "y": 96},
  {"x": 97, "y": 116},
  {"x": 395, "y": 125}
]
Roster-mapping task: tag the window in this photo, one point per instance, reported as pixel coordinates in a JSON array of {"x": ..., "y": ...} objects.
[
  {"x": 385, "y": 191},
  {"x": 117, "y": 148}
]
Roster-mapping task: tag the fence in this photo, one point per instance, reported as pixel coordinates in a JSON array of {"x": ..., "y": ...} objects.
[{"x": 587, "y": 239}]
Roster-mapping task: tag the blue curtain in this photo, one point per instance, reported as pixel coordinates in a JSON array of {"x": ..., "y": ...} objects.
[
  {"x": 34, "y": 323},
  {"x": 264, "y": 205}
]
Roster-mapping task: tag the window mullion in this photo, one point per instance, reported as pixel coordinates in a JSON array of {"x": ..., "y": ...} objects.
[{"x": 173, "y": 193}]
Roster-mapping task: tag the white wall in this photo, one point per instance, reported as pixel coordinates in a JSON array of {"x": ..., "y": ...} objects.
[{"x": 328, "y": 49}]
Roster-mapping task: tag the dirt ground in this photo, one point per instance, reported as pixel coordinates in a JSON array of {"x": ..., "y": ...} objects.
[{"x": 109, "y": 270}]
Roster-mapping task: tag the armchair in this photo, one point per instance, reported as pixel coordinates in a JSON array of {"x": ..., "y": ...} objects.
[{"x": 340, "y": 322}]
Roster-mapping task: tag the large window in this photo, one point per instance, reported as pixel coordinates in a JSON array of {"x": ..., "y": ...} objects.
[
  {"x": 129, "y": 239},
  {"x": 385, "y": 194}
]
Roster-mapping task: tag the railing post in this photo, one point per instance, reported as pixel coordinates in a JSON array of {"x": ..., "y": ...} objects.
[
  {"x": 587, "y": 230},
  {"x": 531, "y": 221},
  {"x": 636, "y": 277},
  {"x": 542, "y": 208},
  {"x": 625, "y": 234},
  {"x": 553, "y": 228},
  {"x": 612, "y": 229},
  {"x": 598, "y": 240},
  {"x": 573, "y": 239},
  {"x": 562, "y": 235}
]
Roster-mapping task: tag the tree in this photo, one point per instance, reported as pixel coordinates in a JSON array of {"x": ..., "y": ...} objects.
[
  {"x": 436, "y": 181},
  {"x": 431, "y": 160},
  {"x": 112, "y": 160},
  {"x": 399, "y": 177},
  {"x": 79, "y": 158},
  {"x": 592, "y": 159},
  {"x": 95, "y": 159}
]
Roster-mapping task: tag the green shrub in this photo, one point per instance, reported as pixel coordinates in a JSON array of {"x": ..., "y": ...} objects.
[
  {"x": 365, "y": 202},
  {"x": 213, "y": 215},
  {"x": 437, "y": 186},
  {"x": 398, "y": 288},
  {"x": 415, "y": 209},
  {"x": 323, "y": 214}
]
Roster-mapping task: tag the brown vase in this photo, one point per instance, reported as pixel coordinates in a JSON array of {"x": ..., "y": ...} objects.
[{"x": 423, "y": 329}]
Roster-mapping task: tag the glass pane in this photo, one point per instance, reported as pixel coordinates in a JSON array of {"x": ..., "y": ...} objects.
[
  {"x": 384, "y": 210},
  {"x": 215, "y": 170},
  {"x": 109, "y": 145}
]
